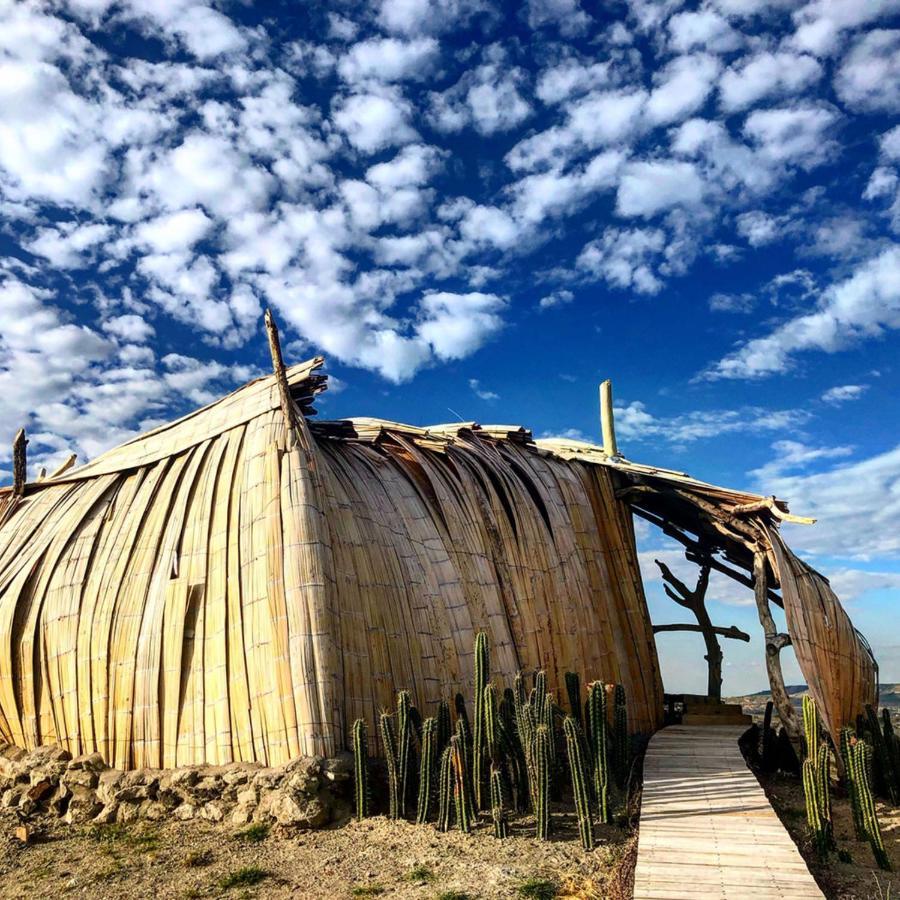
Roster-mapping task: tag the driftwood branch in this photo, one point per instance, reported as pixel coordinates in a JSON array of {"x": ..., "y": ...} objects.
[
  {"x": 732, "y": 631},
  {"x": 774, "y": 644},
  {"x": 284, "y": 391},
  {"x": 20, "y": 465}
]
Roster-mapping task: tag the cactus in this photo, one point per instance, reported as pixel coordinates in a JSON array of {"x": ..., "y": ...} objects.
[
  {"x": 460, "y": 792},
  {"x": 444, "y": 728},
  {"x": 620, "y": 735},
  {"x": 511, "y": 751},
  {"x": 578, "y": 770},
  {"x": 883, "y": 756},
  {"x": 811, "y": 725},
  {"x": 501, "y": 827},
  {"x": 542, "y": 782},
  {"x": 861, "y": 755},
  {"x": 597, "y": 740},
  {"x": 445, "y": 789},
  {"x": 816, "y": 772},
  {"x": 848, "y": 738},
  {"x": 389, "y": 742},
  {"x": 489, "y": 710},
  {"x": 426, "y": 769},
  {"x": 892, "y": 745},
  {"x": 538, "y": 697},
  {"x": 404, "y": 744},
  {"x": 482, "y": 676},
  {"x": 573, "y": 689},
  {"x": 812, "y": 807},
  {"x": 464, "y": 739},
  {"x": 361, "y": 768},
  {"x": 459, "y": 702},
  {"x": 768, "y": 740}
]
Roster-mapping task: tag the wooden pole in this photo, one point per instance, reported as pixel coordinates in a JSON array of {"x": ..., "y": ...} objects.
[
  {"x": 284, "y": 391},
  {"x": 20, "y": 466},
  {"x": 607, "y": 422},
  {"x": 774, "y": 644}
]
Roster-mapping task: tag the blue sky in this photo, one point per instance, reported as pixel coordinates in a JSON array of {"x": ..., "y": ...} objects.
[{"x": 479, "y": 210}]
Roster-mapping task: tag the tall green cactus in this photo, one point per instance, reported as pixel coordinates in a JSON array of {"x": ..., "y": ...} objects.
[
  {"x": 361, "y": 768},
  {"x": 460, "y": 793},
  {"x": 525, "y": 726},
  {"x": 445, "y": 789},
  {"x": 861, "y": 756},
  {"x": 459, "y": 703},
  {"x": 810, "y": 725},
  {"x": 464, "y": 742},
  {"x": 887, "y": 780},
  {"x": 573, "y": 689},
  {"x": 598, "y": 742},
  {"x": 426, "y": 769},
  {"x": 621, "y": 739},
  {"x": 498, "y": 813},
  {"x": 812, "y": 807},
  {"x": 389, "y": 744},
  {"x": 848, "y": 738},
  {"x": 579, "y": 771},
  {"x": 816, "y": 772},
  {"x": 491, "y": 723},
  {"x": 404, "y": 745},
  {"x": 539, "y": 695},
  {"x": 444, "y": 726},
  {"x": 542, "y": 782},
  {"x": 482, "y": 676}
]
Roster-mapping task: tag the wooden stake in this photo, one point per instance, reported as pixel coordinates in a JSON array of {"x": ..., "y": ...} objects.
[
  {"x": 287, "y": 407},
  {"x": 19, "y": 463},
  {"x": 607, "y": 423},
  {"x": 774, "y": 644},
  {"x": 64, "y": 466}
]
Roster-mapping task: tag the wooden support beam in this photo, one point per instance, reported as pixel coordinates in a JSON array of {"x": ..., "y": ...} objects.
[
  {"x": 64, "y": 466},
  {"x": 775, "y": 642},
  {"x": 732, "y": 631},
  {"x": 20, "y": 464},
  {"x": 607, "y": 421},
  {"x": 287, "y": 404}
]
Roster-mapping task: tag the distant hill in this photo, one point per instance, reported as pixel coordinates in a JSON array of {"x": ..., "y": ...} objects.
[{"x": 755, "y": 704}]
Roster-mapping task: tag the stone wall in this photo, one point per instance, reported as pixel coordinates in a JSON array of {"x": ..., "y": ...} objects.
[{"x": 305, "y": 793}]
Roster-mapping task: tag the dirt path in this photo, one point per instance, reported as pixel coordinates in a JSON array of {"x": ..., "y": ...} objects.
[{"x": 373, "y": 858}]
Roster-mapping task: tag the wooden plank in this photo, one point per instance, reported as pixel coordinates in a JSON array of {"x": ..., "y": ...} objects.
[{"x": 707, "y": 828}]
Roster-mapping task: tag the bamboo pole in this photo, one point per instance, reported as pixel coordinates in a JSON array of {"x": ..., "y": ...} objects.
[
  {"x": 607, "y": 422},
  {"x": 284, "y": 393}
]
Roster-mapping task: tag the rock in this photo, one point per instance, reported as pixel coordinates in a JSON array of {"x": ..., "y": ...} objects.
[
  {"x": 247, "y": 797},
  {"x": 107, "y": 814},
  {"x": 11, "y": 797},
  {"x": 108, "y": 784},
  {"x": 179, "y": 778},
  {"x": 40, "y": 789},
  {"x": 81, "y": 777},
  {"x": 241, "y": 815},
  {"x": 210, "y": 786},
  {"x": 340, "y": 768},
  {"x": 23, "y": 834},
  {"x": 83, "y": 808},
  {"x": 89, "y": 762},
  {"x": 267, "y": 779},
  {"x": 294, "y": 812},
  {"x": 213, "y": 812},
  {"x": 128, "y": 812},
  {"x": 184, "y": 812},
  {"x": 153, "y": 810}
]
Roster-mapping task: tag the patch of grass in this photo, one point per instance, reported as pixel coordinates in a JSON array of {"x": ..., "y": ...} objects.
[
  {"x": 538, "y": 889},
  {"x": 253, "y": 834},
  {"x": 370, "y": 890},
  {"x": 245, "y": 877},
  {"x": 453, "y": 895},
  {"x": 199, "y": 858},
  {"x": 420, "y": 874},
  {"x": 119, "y": 836}
]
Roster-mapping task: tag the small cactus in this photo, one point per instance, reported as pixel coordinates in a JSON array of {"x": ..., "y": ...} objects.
[
  {"x": 404, "y": 745},
  {"x": 445, "y": 789},
  {"x": 498, "y": 813},
  {"x": 482, "y": 676},
  {"x": 426, "y": 769},
  {"x": 361, "y": 768},
  {"x": 444, "y": 727},
  {"x": 882, "y": 755},
  {"x": 597, "y": 740},
  {"x": 848, "y": 738},
  {"x": 579, "y": 771},
  {"x": 620, "y": 726},
  {"x": 539, "y": 695},
  {"x": 389, "y": 742},
  {"x": 861, "y": 754},
  {"x": 464, "y": 741},
  {"x": 542, "y": 782},
  {"x": 459, "y": 703},
  {"x": 460, "y": 792},
  {"x": 489, "y": 710},
  {"x": 816, "y": 771},
  {"x": 810, "y": 725},
  {"x": 573, "y": 689}
]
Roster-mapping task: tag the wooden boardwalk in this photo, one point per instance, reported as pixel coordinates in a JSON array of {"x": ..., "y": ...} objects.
[{"x": 707, "y": 828}]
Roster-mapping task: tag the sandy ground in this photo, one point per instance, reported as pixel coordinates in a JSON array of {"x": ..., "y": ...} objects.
[
  {"x": 854, "y": 880},
  {"x": 373, "y": 858}
]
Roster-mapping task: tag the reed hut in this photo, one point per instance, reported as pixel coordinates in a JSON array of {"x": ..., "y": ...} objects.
[{"x": 243, "y": 583}]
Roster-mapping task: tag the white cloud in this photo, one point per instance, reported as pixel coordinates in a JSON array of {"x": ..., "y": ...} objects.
[
  {"x": 647, "y": 188},
  {"x": 766, "y": 75},
  {"x": 69, "y": 245},
  {"x": 841, "y": 393},
  {"x": 890, "y": 143},
  {"x": 174, "y": 231},
  {"x": 821, "y": 23},
  {"x": 427, "y": 16},
  {"x": 793, "y": 135},
  {"x": 456, "y": 325},
  {"x": 480, "y": 392},
  {"x": 557, "y": 298},
  {"x": 869, "y": 76},
  {"x": 388, "y": 59},
  {"x": 682, "y": 87},
  {"x": 567, "y": 15},
  {"x": 733, "y": 303},
  {"x": 571, "y": 77},
  {"x": 862, "y": 306},
  {"x": 373, "y": 121},
  {"x": 634, "y": 422},
  {"x": 625, "y": 258},
  {"x": 759, "y": 228},
  {"x": 130, "y": 328},
  {"x": 704, "y": 29}
]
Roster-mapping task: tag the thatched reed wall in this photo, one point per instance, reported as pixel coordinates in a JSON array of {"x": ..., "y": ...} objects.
[{"x": 240, "y": 586}]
